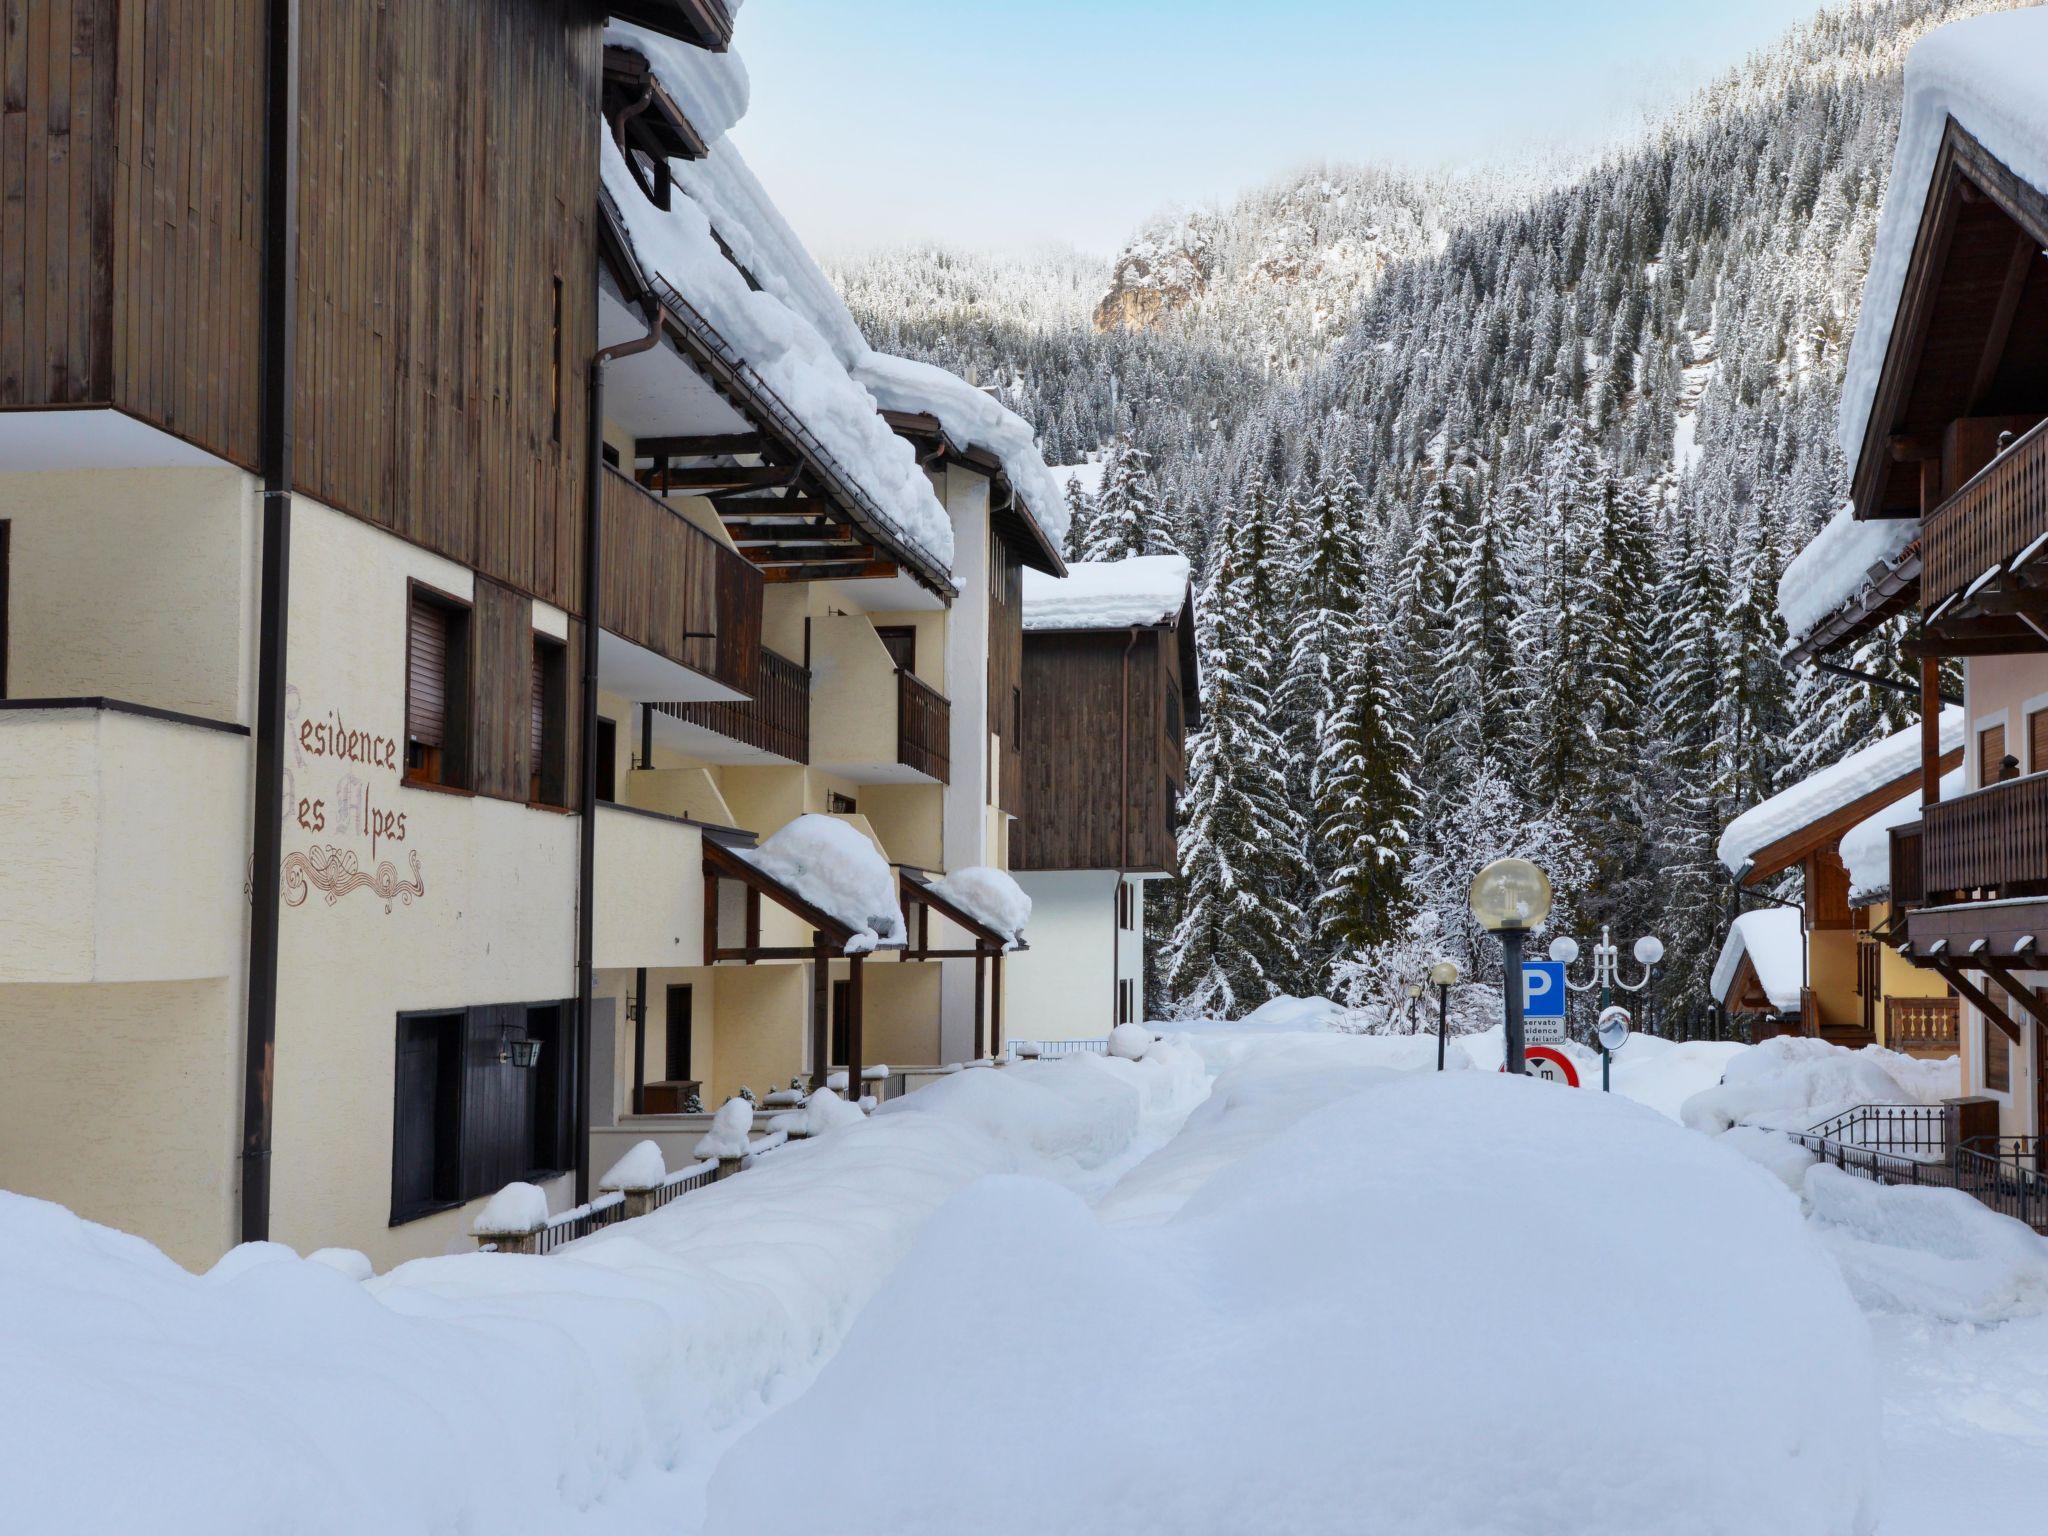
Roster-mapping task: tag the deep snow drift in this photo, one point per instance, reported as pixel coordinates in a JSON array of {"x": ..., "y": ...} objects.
[{"x": 1585, "y": 1319}]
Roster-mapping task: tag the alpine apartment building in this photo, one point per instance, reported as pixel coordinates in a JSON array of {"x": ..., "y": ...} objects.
[{"x": 448, "y": 529}]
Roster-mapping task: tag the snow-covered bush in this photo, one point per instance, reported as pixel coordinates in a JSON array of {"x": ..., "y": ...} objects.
[{"x": 1795, "y": 1082}]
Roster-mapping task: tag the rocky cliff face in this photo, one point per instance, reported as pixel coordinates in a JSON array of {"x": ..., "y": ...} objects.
[{"x": 1166, "y": 268}]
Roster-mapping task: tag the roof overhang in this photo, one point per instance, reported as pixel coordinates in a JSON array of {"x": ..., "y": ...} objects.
[
  {"x": 1825, "y": 831},
  {"x": 723, "y": 863},
  {"x": 1011, "y": 519},
  {"x": 1890, "y": 591},
  {"x": 647, "y": 117},
  {"x": 705, "y": 23}
]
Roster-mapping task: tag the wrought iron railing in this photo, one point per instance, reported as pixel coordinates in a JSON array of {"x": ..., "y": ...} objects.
[
  {"x": 776, "y": 719},
  {"x": 1996, "y": 516},
  {"x": 1905, "y": 1129},
  {"x": 1892, "y": 1151},
  {"x": 580, "y": 1222}
]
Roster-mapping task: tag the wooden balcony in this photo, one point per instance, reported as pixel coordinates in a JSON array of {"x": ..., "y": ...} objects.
[
  {"x": 1909, "y": 884},
  {"x": 1996, "y": 522},
  {"x": 776, "y": 719},
  {"x": 1993, "y": 839},
  {"x": 1922, "y": 1026},
  {"x": 673, "y": 588},
  {"x": 924, "y": 722}
]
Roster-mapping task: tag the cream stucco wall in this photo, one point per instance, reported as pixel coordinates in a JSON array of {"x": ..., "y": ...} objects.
[
  {"x": 493, "y": 919},
  {"x": 649, "y": 909},
  {"x": 123, "y": 848},
  {"x": 134, "y": 585},
  {"x": 1064, "y": 986},
  {"x": 853, "y": 697},
  {"x": 899, "y": 1013},
  {"x": 124, "y": 1103},
  {"x": 760, "y": 1031},
  {"x": 906, "y": 820}
]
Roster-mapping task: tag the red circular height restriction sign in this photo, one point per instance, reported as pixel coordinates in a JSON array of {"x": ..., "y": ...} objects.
[{"x": 1550, "y": 1064}]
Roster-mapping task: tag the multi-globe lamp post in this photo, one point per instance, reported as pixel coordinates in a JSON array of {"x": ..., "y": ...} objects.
[
  {"x": 1509, "y": 898},
  {"x": 1649, "y": 949}
]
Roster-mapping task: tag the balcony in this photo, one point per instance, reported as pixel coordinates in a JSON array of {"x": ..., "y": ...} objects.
[
  {"x": 1922, "y": 1026},
  {"x": 775, "y": 721},
  {"x": 924, "y": 722},
  {"x": 1995, "y": 524},
  {"x": 872, "y": 721},
  {"x": 673, "y": 589},
  {"x": 1981, "y": 861},
  {"x": 124, "y": 848}
]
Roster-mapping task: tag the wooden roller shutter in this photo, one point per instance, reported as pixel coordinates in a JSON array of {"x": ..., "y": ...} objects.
[
  {"x": 537, "y": 727},
  {"x": 2037, "y": 741},
  {"x": 426, "y": 675}
]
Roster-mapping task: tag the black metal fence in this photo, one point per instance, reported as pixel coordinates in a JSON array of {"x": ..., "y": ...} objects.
[
  {"x": 1911, "y": 1144},
  {"x": 580, "y": 1222}
]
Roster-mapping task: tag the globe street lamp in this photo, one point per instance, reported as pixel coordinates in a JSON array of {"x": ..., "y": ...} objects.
[
  {"x": 1509, "y": 897},
  {"x": 1413, "y": 992},
  {"x": 1649, "y": 949},
  {"x": 1443, "y": 976}
]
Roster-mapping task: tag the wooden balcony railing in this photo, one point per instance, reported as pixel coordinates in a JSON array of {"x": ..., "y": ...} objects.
[
  {"x": 1909, "y": 884},
  {"x": 1995, "y": 838},
  {"x": 924, "y": 720},
  {"x": 1920, "y": 1023},
  {"x": 672, "y": 587},
  {"x": 1996, "y": 515},
  {"x": 776, "y": 719}
]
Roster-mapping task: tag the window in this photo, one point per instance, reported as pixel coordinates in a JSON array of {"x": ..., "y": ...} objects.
[
  {"x": 611, "y": 456},
  {"x": 2037, "y": 741},
  {"x": 1127, "y": 1002},
  {"x": 900, "y": 641},
  {"x": 680, "y": 1012},
  {"x": 1990, "y": 753},
  {"x": 841, "y": 805},
  {"x": 468, "y": 1121},
  {"x": 426, "y": 1164},
  {"x": 1126, "y": 906},
  {"x": 548, "y": 729},
  {"x": 607, "y": 760},
  {"x": 1998, "y": 1047},
  {"x": 555, "y": 365},
  {"x": 437, "y": 690}
]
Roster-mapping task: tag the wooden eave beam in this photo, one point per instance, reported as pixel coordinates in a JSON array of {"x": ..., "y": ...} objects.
[
  {"x": 694, "y": 481},
  {"x": 879, "y": 570},
  {"x": 705, "y": 445},
  {"x": 2019, "y": 266},
  {"x": 1945, "y": 967},
  {"x": 767, "y": 555},
  {"x": 745, "y": 533}
]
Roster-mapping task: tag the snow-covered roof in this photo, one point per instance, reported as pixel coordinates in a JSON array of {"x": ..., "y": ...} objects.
[
  {"x": 1986, "y": 72},
  {"x": 1867, "y": 846},
  {"x": 990, "y": 895},
  {"x": 1836, "y": 566},
  {"x": 834, "y": 867},
  {"x": 714, "y": 85},
  {"x": 1107, "y": 594},
  {"x": 972, "y": 418},
  {"x": 1831, "y": 790},
  {"x": 1774, "y": 943}
]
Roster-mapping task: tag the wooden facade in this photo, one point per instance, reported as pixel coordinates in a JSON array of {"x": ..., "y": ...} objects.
[
  {"x": 672, "y": 587},
  {"x": 1103, "y": 758},
  {"x": 1006, "y": 672}
]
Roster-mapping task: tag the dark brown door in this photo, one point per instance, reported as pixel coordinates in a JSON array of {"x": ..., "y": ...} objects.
[
  {"x": 680, "y": 1002},
  {"x": 900, "y": 641},
  {"x": 607, "y": 759},
  {"x": 842, "y": 1004}
]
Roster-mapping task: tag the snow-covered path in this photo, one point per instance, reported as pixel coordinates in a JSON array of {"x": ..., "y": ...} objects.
[{"x": 1291, "y": 1281}]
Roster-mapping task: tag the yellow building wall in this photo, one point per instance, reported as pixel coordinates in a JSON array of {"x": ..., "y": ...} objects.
[
  {"x": 900, "y": 1013},
  {"x": 758, "y": 1034},
  {"x": 1831, "y": 973}
]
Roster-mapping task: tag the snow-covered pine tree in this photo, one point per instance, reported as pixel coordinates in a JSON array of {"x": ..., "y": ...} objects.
[
  {"x": 1363, "y": 799},
  {"x": 1080, "y": 519},
  {"x": 1122, "y": 524},
  {"x": 1239, "y": 937}
]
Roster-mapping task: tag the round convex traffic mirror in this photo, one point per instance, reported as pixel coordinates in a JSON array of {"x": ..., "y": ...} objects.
[{"x": 1613, "y": 1028}]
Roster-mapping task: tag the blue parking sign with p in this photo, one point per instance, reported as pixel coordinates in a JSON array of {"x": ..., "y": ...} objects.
[{"x": 1543, "y": 991}]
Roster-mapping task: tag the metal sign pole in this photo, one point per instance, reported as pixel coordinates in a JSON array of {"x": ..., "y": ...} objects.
[{"x": 1511, "y": 989}]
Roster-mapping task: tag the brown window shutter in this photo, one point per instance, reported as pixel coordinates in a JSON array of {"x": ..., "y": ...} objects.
[
  {"x": 2037, "y": 741},
  {"x": 1990, "y": 753},
  {"x": 538, "y": 728},
  {"x": 426, "y": 678}
]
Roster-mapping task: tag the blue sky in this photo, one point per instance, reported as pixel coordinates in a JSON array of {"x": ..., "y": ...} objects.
[{"x": 1006, "y": 123}]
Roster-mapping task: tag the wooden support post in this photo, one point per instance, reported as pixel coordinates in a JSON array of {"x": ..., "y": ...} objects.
[
  {"x": 821, "y": 1012},
  {"x": 640, "y": 1041},
  {"x": 710, "y": 918},
  {"x": 854, "y": 967},
  {"x": 753, "y": 939},
  {"x": 1930, "y": 729},
  {"x": 995, "y": 1006},
  {"x": 980, "y": 1007},
  {"x": 1953, "y": 975},
  {"x": 2017, "y": 990}
]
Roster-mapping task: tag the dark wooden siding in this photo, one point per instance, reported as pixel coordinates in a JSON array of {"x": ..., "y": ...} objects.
[
  {"x": 1006, "y": 667},
  {"x": 666, "y": 579},
  {"x": 1075, "y": 800},
  {"x": 448, "y": 182},
  {"x": 502, "y": 691}
]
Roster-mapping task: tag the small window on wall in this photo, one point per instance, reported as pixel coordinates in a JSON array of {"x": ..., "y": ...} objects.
[
  {"x": 900, "y": 641},
  {"x": 437, "y": 690},
  {"x": 548, "y": 727},
  {"x": 1127, "y": 1002},
  {"x": 1126, "y": 906},
  {"x": 1990, "y": 753},
  {"x": 1998, "y": 1048},
  {"x": 841, "y": 805}
]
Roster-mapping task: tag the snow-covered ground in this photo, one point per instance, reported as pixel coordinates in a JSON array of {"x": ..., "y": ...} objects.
[{"x": 1290, "y": 1280}]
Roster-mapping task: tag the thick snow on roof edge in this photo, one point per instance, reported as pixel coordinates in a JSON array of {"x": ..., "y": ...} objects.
[
  {"x": 1835, "y": 566},
  {"x": 712, "y": 88},
  {"x": 1986, "y": 72},
  {"x": 1832, "y": 788},
  {"x": 1107, "y": 594},
  {"x": 798, "y": 363},
  {"x": 991, "y": 895},
  {"x": 835, "y": 868},
  {"x": 1772, "y": 940},
  {"x": 976, "y": 419},
  {"x": 1867, "y": 846}
]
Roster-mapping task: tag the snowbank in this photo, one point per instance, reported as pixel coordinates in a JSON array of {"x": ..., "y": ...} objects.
[
  {"x": 1986, "y": 73},
  {"x": 1289, "y": 1012},
  {"x": 972, "y": 418},
  {"x": 1836, "y": 564},
  {"x": 1933, "y": 1252},
  {"x": 1793, "y": 1083},
  {"x": 991, "y": 895},
  {"x": 1107, "y": 594},
  {"x": 486, "y": 1392},
  {"x": 1452, "y": 1385},
  {"x": 1867, "y": 846},
  {"x": 1861, "y": 773},
  {"x": 823, "y": 1111},
  {"x": 1775, "y": 944},
  {"x": 836, "y": 869}
]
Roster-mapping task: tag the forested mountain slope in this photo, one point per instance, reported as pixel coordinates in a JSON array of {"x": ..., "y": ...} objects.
[{"x": 1493, "y": 507}]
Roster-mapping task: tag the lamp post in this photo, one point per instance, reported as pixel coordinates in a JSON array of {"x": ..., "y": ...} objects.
[
  {"x": 1508, "y": 898},
  {"x": 1413, "y": 992},
  {"x": 1649, "y": 949},
  {"x": 1443, "y": 976}
]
